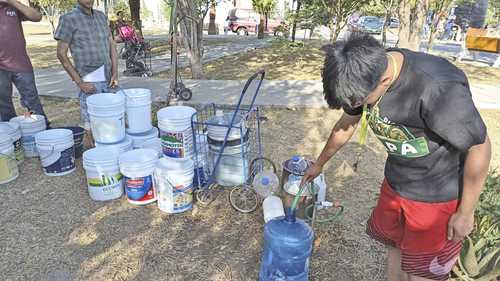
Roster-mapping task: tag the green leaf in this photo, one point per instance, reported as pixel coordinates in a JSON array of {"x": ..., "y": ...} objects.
[{"x": 470, "y": 260}]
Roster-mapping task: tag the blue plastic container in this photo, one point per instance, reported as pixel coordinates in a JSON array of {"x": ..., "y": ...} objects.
[{"x": 287, "y": 250}]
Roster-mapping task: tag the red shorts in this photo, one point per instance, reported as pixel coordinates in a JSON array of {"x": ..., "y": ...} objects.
[{"x": 419, "y": 229}]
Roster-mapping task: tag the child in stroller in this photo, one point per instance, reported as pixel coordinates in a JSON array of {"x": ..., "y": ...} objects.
[{"x": 136, "y": 52}]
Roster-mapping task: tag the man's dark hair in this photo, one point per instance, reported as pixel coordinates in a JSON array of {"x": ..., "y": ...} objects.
[{"x": 353, "y": 68}]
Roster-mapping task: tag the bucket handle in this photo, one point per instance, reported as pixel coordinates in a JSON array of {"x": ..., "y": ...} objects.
[
  {"x": 251, "y": 175},
  {"x": 44, "y": 158}
]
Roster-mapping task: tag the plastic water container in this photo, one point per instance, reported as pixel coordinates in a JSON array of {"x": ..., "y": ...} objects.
[
  {"x": 137, "y": 167},
  {"x": 233, "y": 164},
  {"x": 273, "y": 208},
  {"x": 57, "y": 152},
  {"x": 13, "y": 130},
  {"x": 175, "y": 131},
  {"x": 138, "y": 107},
  {"x": 154, "y": 144},
  {"x": 174, "y": 183},
  {"x": 8, "y": 164},
  {"x": 266, "y": 183},
  {"x": 78, "y": 134},
  {"x": 107, "y": 113},
  {"x": 287, "y": 250},
  {"x": 30, "y": 126},
  {"x": 139, "y": 139},
  {"x": 298, "y": 164},
  {"x": 121, "y": 147},
  {"x": 224, "y": 119},
  {"x": 104, "y": 180}
]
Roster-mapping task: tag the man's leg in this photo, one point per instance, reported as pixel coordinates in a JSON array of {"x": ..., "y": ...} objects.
[
  {"x": 416, "y": 278},
  {"x": 394, "y": 271},
  {"x": 7, "y": 110},
  {"x": 25, "y": 84}
]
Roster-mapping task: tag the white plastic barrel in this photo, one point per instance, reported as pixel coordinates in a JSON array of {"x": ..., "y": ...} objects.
[
  {"x": 30, "y": 126},
  {"x": 57, "y": 151},
  {"x": 233, "y": 164},
  {"x": 8, "y": 164},
  {"x": 137, "y": 167},
  {"x": 139, "y": 139},
  {"x": 138, "y": 107},
  {"x": 121, "y": 147},
  {"x": 13, "y": 130},
  {"x": 273, "y": 208},
  {"x": 107, "y": 113},
  {"x": 174, "y": 183},
  {"x": 175, "y": 131},
  {"x": 104, "y": 180}
]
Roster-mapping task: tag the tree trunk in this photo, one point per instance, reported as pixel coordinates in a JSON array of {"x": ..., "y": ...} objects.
[
  {"x": 311, "y": 33},
  {"x": 404, "y": 11},
  {"x": 191, "y": 34},
  {"x": 135, "y": 14},
  {"x": 211, "y": 25},
  {"x": 260, "y": 34},
  {"x": 411, "y": 22},
  {"x": 386, "y": 26},
  {"x": 294, "y": 26}
]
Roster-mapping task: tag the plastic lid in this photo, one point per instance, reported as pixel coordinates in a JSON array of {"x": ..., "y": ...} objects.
[
  {"x": 265, "y": 181},
  {"x": 296, "y": 158}
]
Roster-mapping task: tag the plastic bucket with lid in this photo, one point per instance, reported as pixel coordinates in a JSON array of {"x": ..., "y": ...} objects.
[
  {"x": 175, "y": 131},
  {"x": 137, "y": 167},
  {"x": 57, "y": 152},
  {"x": 104, "y": 180},
  {"x": 219, "y": 125},
  {"x": 8, "y": 164},
  {"x": 138, "y": 105},
  {"x": 139, "y": 139},
  {"x": 107, "y": 113},
  {"x": 154, "y": 144},
  {"x": 174, "y": 183},
  {"x": 233, "y": 164},
  {"x": 78, "y": 134},
  {"x": 13, "y": 130},
  {"x": 30, "y": 126},
  {"x": 121, "y": 147}
]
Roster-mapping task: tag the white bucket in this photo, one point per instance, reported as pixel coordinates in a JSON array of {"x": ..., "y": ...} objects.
[
  {"x": 175, "y": 131},
  {"x": 139, "y": 139},
  {"x": 233, "y": 164},
  {"x": 138, "y": 103},
  {"x": 13, "y": 130},
  {"x": 57, "y": 152},
  {"x": 107, "y": 113},
  {"x": 174, "y": 183},
  {"x": 30, "y": 126},
  {"x": 154, "y": 144},
  {"x": 273, "y": 208},
  {"x": 8, "y": 164},
  {"x": 104, "y": 180},
  {"x": 137, "y": 167},
  {"x": 121, "y": 147}
]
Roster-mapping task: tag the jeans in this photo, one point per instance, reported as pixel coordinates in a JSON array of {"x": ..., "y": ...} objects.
[
  {"x": 25, "y": 84},
  {"x": 100, "y": 87}
]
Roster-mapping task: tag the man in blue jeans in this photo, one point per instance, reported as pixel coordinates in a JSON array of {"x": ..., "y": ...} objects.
[
  {"x": 86, "y": 33},
  {"x": 15, "y": 65}
]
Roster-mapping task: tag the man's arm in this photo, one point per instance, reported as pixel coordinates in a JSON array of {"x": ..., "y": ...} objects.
[
  {"x": 28, "y": 12},
  {"x": 114, "y": 63},
  {"x": 476, "y": 166},
  {"x": 341, "y": 134},
  {"x": 62, "y": 55}
]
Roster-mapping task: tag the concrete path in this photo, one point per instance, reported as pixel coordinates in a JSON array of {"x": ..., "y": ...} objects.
[{"x": 288, "y": 93}]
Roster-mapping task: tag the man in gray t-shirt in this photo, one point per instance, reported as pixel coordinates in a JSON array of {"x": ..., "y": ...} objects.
[{"x": 86, "y": 33}]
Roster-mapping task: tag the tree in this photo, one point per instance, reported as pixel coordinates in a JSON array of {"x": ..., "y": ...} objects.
[
  {"x": 381, "y": 8},
  {"x": 135, "y": 14},
  {"x": 122, "y": 6},
  {"x": 439, "y": 9},
  {"x": 338, "y": 12},
  {"x": 264, "y": 8},
  {"x": 412, "y": 15},
  {"x": 145, "y": 12},
  {"x": 212, "y": 14},
  {"x": 296, "y": 19},
  {"x": 52, "y": 9}
]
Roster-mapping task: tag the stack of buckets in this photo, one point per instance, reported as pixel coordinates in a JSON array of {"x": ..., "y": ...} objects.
[{"x": 175, "y": 171}]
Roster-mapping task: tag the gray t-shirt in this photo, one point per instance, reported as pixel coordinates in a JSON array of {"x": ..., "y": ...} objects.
[
  {"x": 427, "y": 121},
  {"x": 88, "y": 39}
]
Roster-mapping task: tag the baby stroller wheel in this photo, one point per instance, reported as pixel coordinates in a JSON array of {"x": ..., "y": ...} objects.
[
  {"x": 185, "y": 94},
  {"x": 244, "y": 199}
]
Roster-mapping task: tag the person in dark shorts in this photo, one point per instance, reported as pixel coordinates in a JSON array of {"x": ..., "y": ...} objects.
[
  {"x": 420, "y": 107},
  {"x": 15, "y": 65}
]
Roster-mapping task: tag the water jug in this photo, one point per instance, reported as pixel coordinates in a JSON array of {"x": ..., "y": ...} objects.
[
  {"x": 266, "y": 183},
  {"x": 287, "y": 249}
]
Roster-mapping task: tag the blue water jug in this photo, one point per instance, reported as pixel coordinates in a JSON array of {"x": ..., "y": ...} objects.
[{"x": 287, "y": 249}]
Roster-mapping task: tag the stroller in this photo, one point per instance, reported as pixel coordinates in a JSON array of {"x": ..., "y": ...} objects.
[{"x": 136, "y": 52}]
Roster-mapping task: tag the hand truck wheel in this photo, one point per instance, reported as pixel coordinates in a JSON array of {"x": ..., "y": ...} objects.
[
  {"x": 185, "y": 94},
  {"x": 244, "y": 199}
]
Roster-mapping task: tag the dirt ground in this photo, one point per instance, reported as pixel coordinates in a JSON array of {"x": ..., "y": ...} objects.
[{"x": 52, "y": 230}]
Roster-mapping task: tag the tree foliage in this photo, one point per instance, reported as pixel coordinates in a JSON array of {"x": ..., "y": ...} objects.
[
  {"x": 264, "y": 8},
  {"x": 52, "y": 9}
]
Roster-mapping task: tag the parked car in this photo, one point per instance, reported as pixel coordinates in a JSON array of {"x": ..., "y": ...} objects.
[
  {"x": 372, "y": 25},
  {"x": 243, "y": 21},
  {"x": 393, "y": 23}
]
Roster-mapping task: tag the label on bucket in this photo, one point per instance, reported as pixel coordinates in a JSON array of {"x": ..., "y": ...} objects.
[
  {"x": 175, "y": 144},
  {"x": 174, "y": 199},
  {"x": 8, "y": 168},
  {"x": 59, "y": 162},
  {"x": 140, "y": 190},
  {"x": 29, "y": 146},
  {"x": 19, "y": 150},
  {"x": 105, "y": 185}
]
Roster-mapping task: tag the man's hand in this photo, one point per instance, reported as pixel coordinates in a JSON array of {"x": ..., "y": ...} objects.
[
  {"x": 87, "y": 87},
  {"x": 113, "y": 82},
  {"x": 311, "y": 173},
  {"x": 460, "y": 225}
]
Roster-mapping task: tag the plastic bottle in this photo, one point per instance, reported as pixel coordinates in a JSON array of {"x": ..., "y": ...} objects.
[
  {"x": 273, "y": 208},
  {"x": 298, "y": 165},
  {"x": 266, "y": 183},
  {"x": 219, "y": 114}
]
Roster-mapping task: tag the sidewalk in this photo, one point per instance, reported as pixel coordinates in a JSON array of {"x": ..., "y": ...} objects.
[{"x": 279, "y": 93}]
